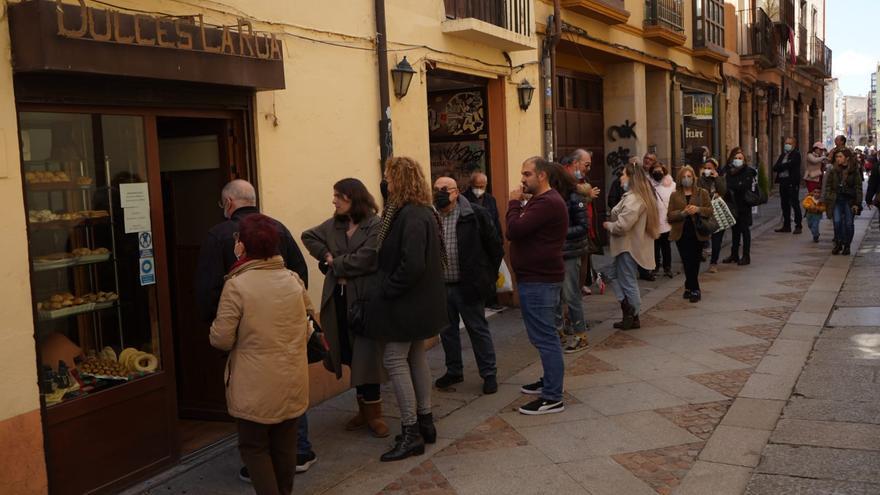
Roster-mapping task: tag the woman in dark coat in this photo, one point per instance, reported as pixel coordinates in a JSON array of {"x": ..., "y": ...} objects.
[
  {"x": 409, "y": 304},
  {"x": 843, "y": 199},
  {"x": 740, "y": 179},
  {"x": 346, "y": 247}
]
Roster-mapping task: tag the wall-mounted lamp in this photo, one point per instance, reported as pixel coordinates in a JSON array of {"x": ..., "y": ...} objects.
[
  {"x": 525, "y": 91},
  {"x": 402, "y": 75}
]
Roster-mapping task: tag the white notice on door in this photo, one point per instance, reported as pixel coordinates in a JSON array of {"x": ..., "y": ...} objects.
[
  {"x": 134, "y": 194},
  {"x": 136, "y": 219}
]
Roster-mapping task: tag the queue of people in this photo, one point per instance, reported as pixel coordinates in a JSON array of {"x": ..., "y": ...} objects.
[{"x": 433, "y": 255}]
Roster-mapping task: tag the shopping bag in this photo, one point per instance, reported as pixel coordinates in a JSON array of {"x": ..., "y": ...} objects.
[
  {"x": 722, "y": 214},
  {"x": 504, "y": 283}
]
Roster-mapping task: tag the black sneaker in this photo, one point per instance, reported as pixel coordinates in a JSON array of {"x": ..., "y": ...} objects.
[
  {"x": 305, "y": 461},
  {"x": 244, "y": 475},
  {"x": 695, "y": 296},
  {"x": 490, "y": 385},
  {"x": 533, "y": 388},
  {"x": 686, "y": 294},
  {"x": 797, "y": 230},
  {"x": 448, "y": 380},
  {"x": 542, "y": 406}
]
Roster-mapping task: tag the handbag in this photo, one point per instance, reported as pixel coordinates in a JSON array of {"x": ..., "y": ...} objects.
[
  {"x": 755, "y": 195},
  {"x": 317, "y": 347},
  {"x": 705, "y": 226},
  {"x": 722, "y": 215}
]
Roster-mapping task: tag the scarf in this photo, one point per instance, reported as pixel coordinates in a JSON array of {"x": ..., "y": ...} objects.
[{"x": 390, "y": 213}]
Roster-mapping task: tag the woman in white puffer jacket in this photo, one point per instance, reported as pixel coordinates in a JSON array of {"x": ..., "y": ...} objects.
[{"x": 664, "y": 186}]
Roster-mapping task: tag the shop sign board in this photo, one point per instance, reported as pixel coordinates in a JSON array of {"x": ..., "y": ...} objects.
[{"x": 698, "y": 106}]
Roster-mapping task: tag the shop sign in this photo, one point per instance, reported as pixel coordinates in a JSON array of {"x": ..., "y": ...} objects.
[
  {"x": 698, "y": 106},
  {"x": 181, "y": 33},
  {"x": 148, "y": 271}
]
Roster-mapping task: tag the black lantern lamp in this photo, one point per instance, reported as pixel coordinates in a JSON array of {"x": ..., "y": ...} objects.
[
  {"x": 525, "y": 91},
  {"x": 402, "y": 74}
]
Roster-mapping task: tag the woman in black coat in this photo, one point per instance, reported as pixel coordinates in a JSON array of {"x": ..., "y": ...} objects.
[
  {"x": 409, "y": 304},
  {"x": 740, "y": 179}
]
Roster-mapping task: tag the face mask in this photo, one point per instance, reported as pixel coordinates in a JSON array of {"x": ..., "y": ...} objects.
[
  {"x": 478, "y": 192},
  {"x": 441, "y": 199},
  {"x": 788, "y": 148},
  {"x": 707, "y": 172},
  {"x": 687, "y": 182},
  {"x": 383, "y": 188},
  {"x": 578, "y": 175},
  {"x": 737, "y": 163},
  {"x": 657, "y": 175},
  {"x": 624, "y": 186}
]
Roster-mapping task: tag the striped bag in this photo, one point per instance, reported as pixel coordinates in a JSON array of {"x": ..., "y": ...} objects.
[{"x": 722, "y": 214}]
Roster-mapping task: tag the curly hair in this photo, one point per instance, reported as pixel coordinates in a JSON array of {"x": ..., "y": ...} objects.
[{"x": 408, "y": 182}]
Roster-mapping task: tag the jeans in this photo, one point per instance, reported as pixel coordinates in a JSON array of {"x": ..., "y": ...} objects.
[
  {"x": 813, "y": 220},
  {"x": 303, "y": 445},
  {"x": 268, "y": 454},
  {"x": 538, "y": 303},
  {"x": 690, "y": 250},
  {"x": 662, "y": 249},
  {"x": 717, "y": 240},
  {"x": 788, "y": 197},
  {"x": 407, "y": 366},
  {"x": 571, "y": 297},
  {"x": 844, "y": 219},
  {"x": 624, "y": 272},
  {"x": 474, "y": 316},
  {"x": 743, "y": 232}
]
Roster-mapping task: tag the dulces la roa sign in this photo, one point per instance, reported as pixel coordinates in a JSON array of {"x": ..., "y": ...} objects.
[{"x": 175, "y": 32}]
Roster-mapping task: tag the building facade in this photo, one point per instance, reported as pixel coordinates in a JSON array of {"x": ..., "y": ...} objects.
[
  {"x": 856, "y": 125},
  {"x": 832, "y": 118}
]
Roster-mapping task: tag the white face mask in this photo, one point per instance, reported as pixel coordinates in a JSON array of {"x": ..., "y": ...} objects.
[
  {"x": 707, "y": 172},
  {"x": 737, "y": 163},
  {"x": 478, "y": 192}
]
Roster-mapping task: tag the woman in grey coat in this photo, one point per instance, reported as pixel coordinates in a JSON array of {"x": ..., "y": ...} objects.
[{"x": 346, "y": 247}]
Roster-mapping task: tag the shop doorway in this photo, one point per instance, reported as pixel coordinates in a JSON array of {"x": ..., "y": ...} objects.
[{"x": 197, "y": 156}]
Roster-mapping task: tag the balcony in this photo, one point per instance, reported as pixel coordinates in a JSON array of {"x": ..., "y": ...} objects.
[
  {"x": 782, "y": 12},
  {"x": 503, "y": 24},
  {"x": 755, "y": 40},
  {"x": 820, "y": 59},
  {"x": 664, "y": 22},
  {"x": 803, "y": 56},
  {"x": 607, "y": 11},
  {"x": 709, "y": 30}
]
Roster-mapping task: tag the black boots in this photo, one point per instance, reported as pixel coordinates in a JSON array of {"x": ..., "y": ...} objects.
[
  {"x": 427, "y": 429},
  {"x": 745, "y": 260},
  {"x": 731, "y": 259},
  {"x": 846, "y": 251},
  {"x": 838, "y": 246},
  {"x": 408, "y": 443},
  {"x": 630, "y": 318}
]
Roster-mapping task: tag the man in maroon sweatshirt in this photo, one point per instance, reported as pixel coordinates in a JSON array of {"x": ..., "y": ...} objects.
[{"x": 536, "y": 230}]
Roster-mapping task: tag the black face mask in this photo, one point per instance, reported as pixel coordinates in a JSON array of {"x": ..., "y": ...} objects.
[
  {"x": 657, "y": 175},
  {"x": 383, "y": 189},
  {"x": 441, "y": 199}
]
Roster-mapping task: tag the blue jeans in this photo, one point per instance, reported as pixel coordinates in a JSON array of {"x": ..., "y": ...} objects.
[
  {"x": 571, "y": 297},
  {"x": 538, "y": 303},
  {"x": 474, "y": 316},
  {"x": 813, "y": 220},
  {"x": 303, "y": 445},
  {"x": 844, "y": 227},
  {"x": 624, "y": 272}
]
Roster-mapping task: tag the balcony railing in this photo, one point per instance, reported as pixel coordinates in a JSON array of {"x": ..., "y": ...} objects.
[
  {"x": 785, "y": 13},
  {"x": 667, "y": 14},
  {"x": 513, "y": 15},
  {"x": 755, "y": 38},
  {"x": 820, "y": 58},
  {"x": 803, "y": 56}
]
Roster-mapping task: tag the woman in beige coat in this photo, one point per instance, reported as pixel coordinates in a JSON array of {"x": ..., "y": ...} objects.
[
  {"x": 347, "y": 249},
  {"x": 262, "y": 320},
  {"x": 687, "y": 203},
  {"x": 633, "y": 226}
]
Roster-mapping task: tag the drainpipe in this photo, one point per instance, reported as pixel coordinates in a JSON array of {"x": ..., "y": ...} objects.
[
  {"x": 386, "y": 143},
  {"x": 549, "y": 75},
  {"x": 675, "y": 146}
]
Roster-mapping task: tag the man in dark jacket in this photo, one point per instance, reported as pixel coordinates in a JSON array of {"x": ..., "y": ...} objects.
[
  {"x": 788, "y": 176},
  {"x": 478, "y": 194},
  {"x": 238, "y": 200},
  {"x": 474, "y": 253}
]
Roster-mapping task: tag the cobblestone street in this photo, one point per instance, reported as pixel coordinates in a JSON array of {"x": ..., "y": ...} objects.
[{"x": 708, "y": 398}]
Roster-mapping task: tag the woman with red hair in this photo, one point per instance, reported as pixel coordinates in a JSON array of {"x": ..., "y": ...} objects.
[{"x": 262, "y": 320}]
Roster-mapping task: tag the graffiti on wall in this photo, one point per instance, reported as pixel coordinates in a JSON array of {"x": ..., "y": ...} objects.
[
  {"x": 456, "y": 114},
  {"x": 617, "y": 159},
  {"x": 457, "y": 159},
  {"x": 622, "y": 131}
]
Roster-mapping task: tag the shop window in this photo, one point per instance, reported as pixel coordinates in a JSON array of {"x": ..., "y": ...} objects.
[{"x": 96, "y": 310}]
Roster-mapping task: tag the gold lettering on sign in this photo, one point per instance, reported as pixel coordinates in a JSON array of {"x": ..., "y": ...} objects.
[
  {"x": 139, "y": 38},
  {"x": 83, "y": 20},
  {"x": 246, "y": 40},
  {"x": 276, "y": 48},
  {"x": 227, "y": 42},
  {"x": 161, "y": 34},
  {"x": 205, "y": 45},
  {"x": 184, "y": 36},
  {"x": 93, "y": 31},
  {"x": 117, "y": 32}
]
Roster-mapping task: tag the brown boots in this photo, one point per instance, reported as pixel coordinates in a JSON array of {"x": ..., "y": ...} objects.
[{"x": 369, "y": 415}]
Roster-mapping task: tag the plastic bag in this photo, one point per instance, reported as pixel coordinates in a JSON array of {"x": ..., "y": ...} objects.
[{"x": 504, "y": 283}]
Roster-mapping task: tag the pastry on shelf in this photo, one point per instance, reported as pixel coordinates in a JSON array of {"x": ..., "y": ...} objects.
[
  {"x": 46, "y": 177},
  {"x": 55, "y": 256},
  {"x": 95, "y": 213},
  {"x": 84, "y": 181}
]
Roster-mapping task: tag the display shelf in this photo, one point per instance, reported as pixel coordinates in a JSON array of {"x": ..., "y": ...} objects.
[
  {"x": 57, "y": 314},
  {"x": 69, "y": 262},
  {"x": 59, "y": 186},
  {"x": 69, "y": 224}
]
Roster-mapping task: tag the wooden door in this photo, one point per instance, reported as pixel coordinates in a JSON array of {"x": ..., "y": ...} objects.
[{"x": 190, "y": 196}]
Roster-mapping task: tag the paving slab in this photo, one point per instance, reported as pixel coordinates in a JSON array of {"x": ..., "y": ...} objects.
[
  {"x": 603, "y": 476},
  {"x": 767, "y": 484},
  {"x": 759, "y": 414},
  {"x": 854, "y": 317},
  {"x": 735, "y": 445},
  {"x": 833, "y": 410},
  {"x": 548, "y": 479},
  {"x": 717, "y": 479},
  {"x": 764, "y": 386},
  {"x": 821, "y": 462},
  {"x": 827, "y": 434},
  {"x": 627, "y": 397}
]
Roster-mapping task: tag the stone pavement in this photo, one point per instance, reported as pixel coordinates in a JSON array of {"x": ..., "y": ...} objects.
[
  {"x": 828, "y": 439},
  {"x": 684, "y": 405}
]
